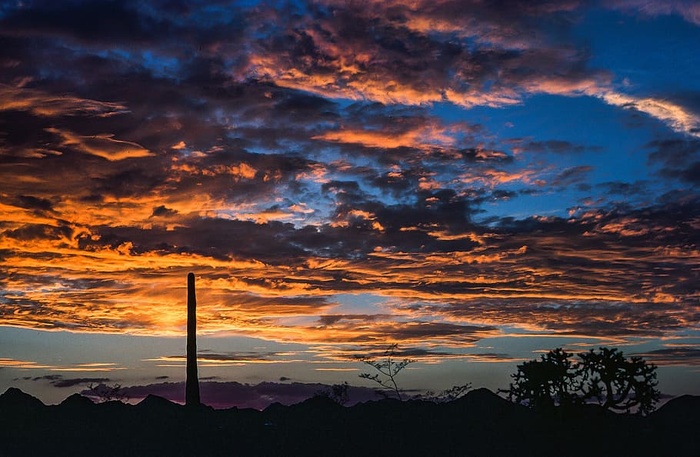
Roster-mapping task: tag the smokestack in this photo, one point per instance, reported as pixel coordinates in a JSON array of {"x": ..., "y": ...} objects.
[{"x": 192, "y": 384}]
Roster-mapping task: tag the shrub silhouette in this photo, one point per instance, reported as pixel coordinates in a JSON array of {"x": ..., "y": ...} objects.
[
  {"x": 338, "y": 393},
  {"x": 102, "y": 393},
  {"x": 602, "y": 376}
]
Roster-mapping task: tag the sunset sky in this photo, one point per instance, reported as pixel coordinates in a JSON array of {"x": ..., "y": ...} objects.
[{"x": 478, "y": 181}]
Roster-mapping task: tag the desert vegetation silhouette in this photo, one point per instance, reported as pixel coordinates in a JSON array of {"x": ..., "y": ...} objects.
[
  {"x": 604, "y": 377},
  {"x": 102, "y": 392},
  {"x": 387, "y": 370}
]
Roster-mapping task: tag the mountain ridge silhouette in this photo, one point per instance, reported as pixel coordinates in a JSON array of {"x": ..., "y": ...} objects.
[{"x": 481, "y": 423}]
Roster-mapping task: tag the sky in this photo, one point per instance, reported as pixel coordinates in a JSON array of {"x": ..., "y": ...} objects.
[{"x": 476, "y": 181}]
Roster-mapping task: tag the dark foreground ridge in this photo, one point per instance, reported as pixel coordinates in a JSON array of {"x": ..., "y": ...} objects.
[{"x": 478, "y": 424}]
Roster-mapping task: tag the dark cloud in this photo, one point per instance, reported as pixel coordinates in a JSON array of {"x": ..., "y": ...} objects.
[
  {"x": 379, "y": 329},
  {"x": 36, "y": 204},
  {"x": 105, "y": 21},
  {"x": 679, "y": 159},
  {"x": 626, "y": 189},
  {"x": 572, "y": 175},
  {"x": 23, "y": 135},
  {"x": 592, "y": 318},
  {"x": 691, "y": 174},
  {"x": 79, "y": 381},
  {"x": 333, "y": 319},
  {"x": 674, "y": 356},
  {"x": 61, "y": 382},
  {"x": 163, "y": 211},
  {"x": 48, "y": 377},
  {"x": 134, "y": 181},
  {"x": 303, "y": 108},
  {"x": 40, "y": 231},
  {"x": 207, "y": 356},
  {"x": 554, "y": 146}
]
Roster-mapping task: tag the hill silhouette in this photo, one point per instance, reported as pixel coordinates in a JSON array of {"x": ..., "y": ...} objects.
[{"x": 479, "y": 424}]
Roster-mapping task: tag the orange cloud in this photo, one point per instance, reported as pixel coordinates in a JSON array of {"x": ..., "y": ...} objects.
[
  {"x": 44, "y": 104},
  {"x": 80, "y": 367},
  {"x": 421, "y": 137},
  {"x": 104, "y": 146}
]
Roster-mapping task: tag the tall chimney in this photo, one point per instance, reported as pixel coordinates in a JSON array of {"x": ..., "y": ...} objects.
[{"x": 192, "y": 384}]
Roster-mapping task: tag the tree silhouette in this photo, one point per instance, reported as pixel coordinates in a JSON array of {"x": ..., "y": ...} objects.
[
  {"x": 103, "y": 393},
  {"x": 339, "y": 393},
  {"x": 616, "y": 383},
  {"x": 604, "y": 377},
  {"x": 545, "y": 383}
]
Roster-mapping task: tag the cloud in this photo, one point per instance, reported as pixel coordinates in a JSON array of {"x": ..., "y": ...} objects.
[
  {"x": 423, "y": 136},
  {"x": 162, "y": 211},
  {"x": 601, "y": 257},
  {"x": 379, "y": 331},
  {"x": 6, "y": 362},
  {"x": 297, "y": 156},
  {"x": 221, "y": 359},
  {"x": 62, "y": 383},
  {"x": 36, "y": 204},
  {"x": 102, "y": 146},
  {"x": 571, "y": 175},
  {"x": 592, "y": 318},
  {"x": 394, "y": 54},
  {"x": 677, "y": 117},
  {"x": 688, "y": 9},
  {"x": 673, "y": 356},
  {"x": 555, "y": 146},
  {"x": 679, "y": 158},
  {"x": 45, "y": 104}
]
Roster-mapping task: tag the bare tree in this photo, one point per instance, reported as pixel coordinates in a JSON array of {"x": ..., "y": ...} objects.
[{"x": 388, "y": 368}]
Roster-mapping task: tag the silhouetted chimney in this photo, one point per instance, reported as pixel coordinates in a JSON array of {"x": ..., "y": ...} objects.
[{"x": 192, "y": 384}]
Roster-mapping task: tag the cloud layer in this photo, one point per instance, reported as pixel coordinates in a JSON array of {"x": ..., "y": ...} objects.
[{"x": 295, "y": 155}]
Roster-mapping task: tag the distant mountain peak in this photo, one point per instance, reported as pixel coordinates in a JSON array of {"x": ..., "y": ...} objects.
[
  {"x": 15, "y": 398},
  {"x": 77, "y": 400},
  {"x": 155, "y": 401}
]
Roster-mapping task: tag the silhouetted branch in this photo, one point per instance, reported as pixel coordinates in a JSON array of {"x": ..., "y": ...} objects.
[
  {"x": 447, "y": 395},
  {"x": 388, "y": 370},
  {"x": 103, "y": 393}
]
